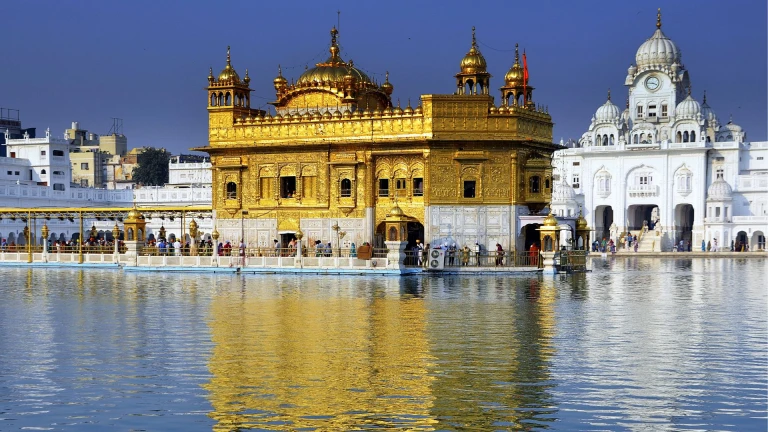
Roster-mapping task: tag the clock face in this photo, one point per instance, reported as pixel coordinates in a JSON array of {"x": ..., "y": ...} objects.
[{"x": 652, "y": 83}]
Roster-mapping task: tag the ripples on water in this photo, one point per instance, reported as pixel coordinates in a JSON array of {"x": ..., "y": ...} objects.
[{"x": 638, "y": 344}]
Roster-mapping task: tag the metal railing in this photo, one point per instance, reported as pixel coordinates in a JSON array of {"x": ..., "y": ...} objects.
[{"x": 460, "y": 258}]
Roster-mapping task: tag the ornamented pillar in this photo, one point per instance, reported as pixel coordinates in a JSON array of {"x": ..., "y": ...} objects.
[
  {"x": 193, "y": 251},
  {"x": 298, "y": 259},
  {"x": 215, "y": 249},
  {"x": 45, "y": 233},
  {"x": 116, "y": 240},
  {"x": 549, "y": 233}
]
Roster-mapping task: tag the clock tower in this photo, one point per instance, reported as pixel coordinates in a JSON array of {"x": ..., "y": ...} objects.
[{"x": 657, "y": 81}]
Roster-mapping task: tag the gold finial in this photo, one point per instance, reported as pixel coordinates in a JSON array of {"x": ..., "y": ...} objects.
[
  {"x": 658, "y": 19},
  {"x": 386, "y": 77},
  {"x": 228, "y": 58},
  {"x": 474, "y": 41},
  {"x": 279, "y": 71},
  {"x": 609, "y": 94},
  {"x": 517, "y": 54},
  {"x": 334, "y": 32},
  {"x": 210, "y": 74}
]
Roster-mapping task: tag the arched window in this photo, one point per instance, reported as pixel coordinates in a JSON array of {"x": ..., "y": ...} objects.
[
  {"x": 346, "y": 188},
  {"x": 546, "y": 183},
  {"x": 605, "y": 140},
  {"x": 227, "y": 99},
  {"x": 679, "y": 137},
  {"x": 636, "y": 139},
  {"x": 231, "y": 190},
  {"x": 693, "y": 136},
  {"x": 213, "y": 100},
  {"x": 685, "y": 136},
  {"x": 611, "y": 140},
  {"x": 534, "y": 184},
  {"x": 43, "y": 172},
  {"x": 221, "y": 99},
  {"x": 603, "y": 182}
]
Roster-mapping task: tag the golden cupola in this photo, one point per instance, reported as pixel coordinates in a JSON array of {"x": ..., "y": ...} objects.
[
  {"x": 228, "y": 74},
  {"x": 387, "y": 87},
  {"x": 280, "y": 82},
  {"x": 333, "y": 69},
  {"x": 334, "y": 85},
  {"x": 514, "y": 76},
  {"x": 474, "y": 78},
  {"x": 516, "y": 91}
]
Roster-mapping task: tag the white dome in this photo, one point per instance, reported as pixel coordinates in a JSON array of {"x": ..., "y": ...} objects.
[
  {"x": 708, "y": 114},
  {"x": 608, "y": 112},
  {"x": 733, "y": 127},
  {"x": 563, "y": 192},
  {"x": 658, "y": 50},
  {"x": 720, "y": 190},
  {"x": 688, "y": 108}
]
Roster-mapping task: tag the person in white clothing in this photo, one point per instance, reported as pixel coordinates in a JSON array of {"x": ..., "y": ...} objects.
[{"x": 177, "y": 247}]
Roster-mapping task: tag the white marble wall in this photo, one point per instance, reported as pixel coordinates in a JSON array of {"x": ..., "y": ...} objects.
[{"x": 465, "y": 225}]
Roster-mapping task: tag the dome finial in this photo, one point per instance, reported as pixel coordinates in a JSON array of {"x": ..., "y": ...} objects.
[
  {"x": 658, "y": 19},
  {"x": 705, "y": 96},
  {"x": 609, "y": 94},
  {"x": 689, "y": 89},
  {"x": 228, "y": 57},
  {"x": 517, "y": 54},
  {"x": 474, "y": 41},
  {"x": 279, "y": 70}
]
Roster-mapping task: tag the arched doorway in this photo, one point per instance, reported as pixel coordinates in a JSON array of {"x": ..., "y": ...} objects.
[
  {"x": 758, "y": 241},
  {"x": 531, "y": 236},
  {"x": 637, "y": 214},
  {"x": 603, "y": 222},
  {"x": 741, "y": 242},
  {"x": 415, "y": 232},
  {"x": 684, "y": 222}
]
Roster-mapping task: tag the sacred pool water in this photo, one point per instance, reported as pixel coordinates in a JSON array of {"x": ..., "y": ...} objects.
[{"x": 638, "y": 344}]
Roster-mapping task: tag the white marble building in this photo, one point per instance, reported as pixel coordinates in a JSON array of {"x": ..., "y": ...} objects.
[
  {"x": 667, "y": 161},
  {"x": 37, "y": 174}
]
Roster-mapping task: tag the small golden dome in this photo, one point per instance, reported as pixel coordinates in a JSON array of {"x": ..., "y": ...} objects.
[
  {"x": 493, "y": 110},
  {"x": 193, "y": 224},
  {"x": 229, "y": 73},
  {"x": 357, "y": 113},
  {"x": 336, "y": 114},
  {"x": 408, "y": 110},
  {"x": 581, "y": 223},
  {"x": 396, "y": 211},
  {"x": 326, "y": 115},
  {"x": 387, "y": 87},
  {"x": 280, "y": 81},
  {"x": 247, "y": 79},
  {"x": 305, "y": 116},
  {"x": 417, "y": 110},
  {"x": 347, "y": 114},
  {"x": 316, "y": 115},
  {"x": 550, "y": 220},
  {"x": 210, "y": 75},
  {"x": 515, "y": 74},
  {"x": 474, "y": 61}
]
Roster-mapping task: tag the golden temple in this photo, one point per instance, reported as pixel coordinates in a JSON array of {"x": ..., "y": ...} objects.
[{"x": 338, "y": 152}]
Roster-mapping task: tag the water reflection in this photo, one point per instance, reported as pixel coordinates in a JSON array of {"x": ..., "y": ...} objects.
[
  {"x": 360, "y": 357},
  {"x": 298, "y": 358},
  {"x": 635, "y": 344}
]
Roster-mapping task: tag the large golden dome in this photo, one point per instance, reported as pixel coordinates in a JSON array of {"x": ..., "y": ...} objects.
[
  {"x": 474, "y": 61},
  {"x": 229, "y": 73},
  {"x": 332, "y": 70}
]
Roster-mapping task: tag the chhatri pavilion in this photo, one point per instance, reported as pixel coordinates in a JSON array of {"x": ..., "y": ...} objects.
[{"x": 336, "y": 156}]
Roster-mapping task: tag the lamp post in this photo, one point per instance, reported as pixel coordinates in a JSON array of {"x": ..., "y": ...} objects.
[
  {"x": 243, "y": 213},
  {"x": 339, "y": 235}
]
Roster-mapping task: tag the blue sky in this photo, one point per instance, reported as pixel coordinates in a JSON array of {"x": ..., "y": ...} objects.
[{"x": 147, "y": 61}]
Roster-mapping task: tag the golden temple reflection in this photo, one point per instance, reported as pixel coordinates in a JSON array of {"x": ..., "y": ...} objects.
[{"x": 337, "y": 361}]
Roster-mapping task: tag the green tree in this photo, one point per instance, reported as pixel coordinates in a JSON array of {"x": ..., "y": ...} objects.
[{"x": 152, "y": 168}]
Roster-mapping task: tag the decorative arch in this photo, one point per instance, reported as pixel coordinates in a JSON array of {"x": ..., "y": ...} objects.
[{"x": 602, "y": 182}]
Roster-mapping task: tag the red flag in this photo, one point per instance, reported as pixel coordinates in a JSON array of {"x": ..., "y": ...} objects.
[{"x": 525, "y": 79}]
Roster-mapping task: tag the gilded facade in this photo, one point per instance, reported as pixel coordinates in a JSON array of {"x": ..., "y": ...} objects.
[{"x": 336, "y": 150}]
